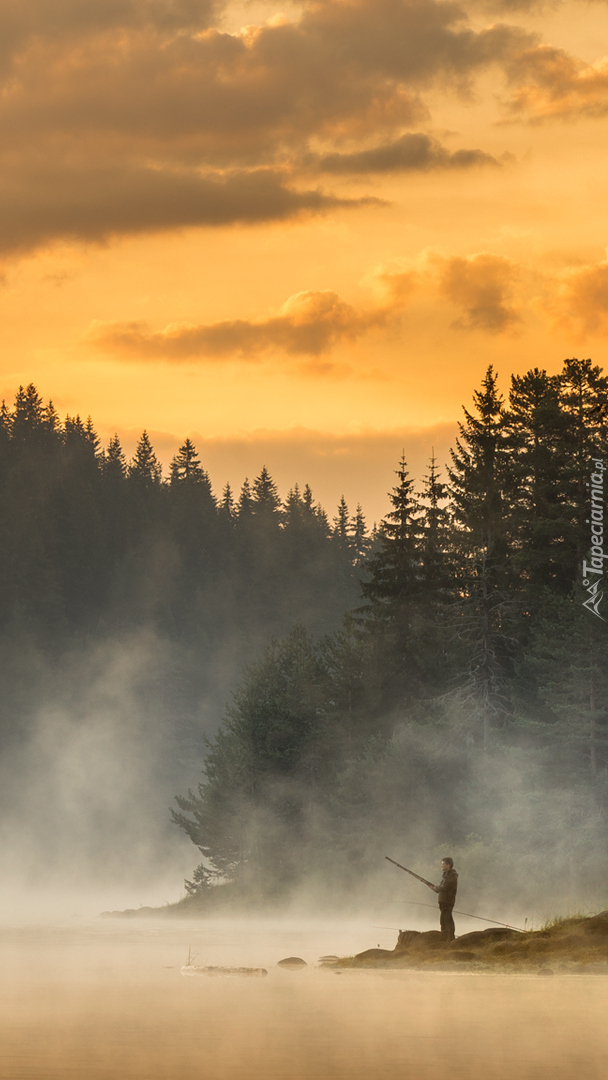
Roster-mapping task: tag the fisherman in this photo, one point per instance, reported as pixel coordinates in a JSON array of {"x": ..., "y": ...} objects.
[{"x": 446, "y": 892}]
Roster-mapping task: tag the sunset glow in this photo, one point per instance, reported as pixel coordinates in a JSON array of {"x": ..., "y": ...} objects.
[{"x": 299, "y": 232}]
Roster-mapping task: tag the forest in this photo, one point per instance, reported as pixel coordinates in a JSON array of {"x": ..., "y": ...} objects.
[
  {"x": 464, "y": 699},
  {"x": 437, "y": 682}
]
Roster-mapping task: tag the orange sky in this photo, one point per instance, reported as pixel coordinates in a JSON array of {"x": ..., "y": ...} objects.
[{"x": 298, "y": 232}]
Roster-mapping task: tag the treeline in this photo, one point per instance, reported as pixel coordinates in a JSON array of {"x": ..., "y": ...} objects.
[
  {"x": 94, "y": 548},
  {"x": 465, "y": 696}
]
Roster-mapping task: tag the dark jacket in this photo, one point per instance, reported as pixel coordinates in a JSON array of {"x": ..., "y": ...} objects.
[{"x": 447, "y": 888}]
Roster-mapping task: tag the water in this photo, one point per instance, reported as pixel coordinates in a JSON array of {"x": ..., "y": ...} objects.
[{"x": 106, "y": 1001}]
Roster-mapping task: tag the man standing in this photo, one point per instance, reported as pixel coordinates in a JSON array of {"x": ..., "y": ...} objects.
[{"x": 446, "y": 893}]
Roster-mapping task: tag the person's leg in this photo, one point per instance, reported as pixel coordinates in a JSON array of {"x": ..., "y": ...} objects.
[{"x": 446, "y": 922}]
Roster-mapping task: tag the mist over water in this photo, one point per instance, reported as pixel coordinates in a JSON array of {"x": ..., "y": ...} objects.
[{"x": 107, "y": 1001}]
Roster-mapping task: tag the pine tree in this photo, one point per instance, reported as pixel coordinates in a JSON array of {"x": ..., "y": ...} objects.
[
  {"x": 478, "y": 490},
  {"x": 360, "y": 539},
  {"x": 29, "y": 416},
  {"x": 186, "y": 467},
  {"x": 145, "y": 468},
  {"x": 114, "y": 462},
  {"x": 93, "y": 438},
  {"x": 342, "y": 526},
  {"x": 245, "y": 503},
  {"x": 265, "y": 497},
  {"x": 584, "y": 401},
  {"x": 391, "y": 618},
  {"x": 395, "y": 569},
  {"x": 227, "y": 506},
  {"x": 478, "y": 472},
  {"x": 437, "y": 535},
  {"x": 541, "y": 519},
  {"x": 292, "y": 509}
]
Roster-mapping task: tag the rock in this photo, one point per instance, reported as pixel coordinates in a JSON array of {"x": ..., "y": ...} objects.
[
  {"x": 417, "y": 940},
  {"x": 376, "y": 954},
  {"x": 406, "y": 938},
  {"x": 293, "y": 962},
  {"x": 597, "y": 925},
  {"x": 484, "y": 937}
]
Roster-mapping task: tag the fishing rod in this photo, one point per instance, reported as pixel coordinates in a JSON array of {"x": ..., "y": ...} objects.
[
  {"x": 434, "y": 888},
  {"x": 466, "y": 913},
  {"x": 417, "y": 876}
]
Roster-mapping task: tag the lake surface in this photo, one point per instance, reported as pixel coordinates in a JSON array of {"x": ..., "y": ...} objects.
[{"x": 107, "y": 1001}]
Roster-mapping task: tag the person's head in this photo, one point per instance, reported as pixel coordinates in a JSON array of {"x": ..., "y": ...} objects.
[{"x": 447, "y": 863}]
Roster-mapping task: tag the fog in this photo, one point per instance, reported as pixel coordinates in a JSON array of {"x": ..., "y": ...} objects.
[
  {"x": 88, "y": 780},
  {"x": 86, "y": 783},
  {"x": 110, "y": 1001},
  {"x": 86, "y": 788}
]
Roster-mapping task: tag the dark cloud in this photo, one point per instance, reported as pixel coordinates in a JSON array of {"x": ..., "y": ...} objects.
[
  {"x": 344, "y": 69},
  {"x": 24, "y": 20},
  {"x": 126, "y": 100},
  {"x": 43, "y": 204},
  {"x": 309, "y": 324},
  {"x": 412, "y": 152}
]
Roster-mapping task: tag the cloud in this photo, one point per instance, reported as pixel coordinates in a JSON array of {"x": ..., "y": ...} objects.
[
  {"x": 413, "y": 152},
  {"x": 344, "y": 69},
  {"x": 549, "y": 84},
  {"x": 311, "y": 324},
  {"x": 137, "y": 108},
  {"x": 580, "y": 302},
  {"x": 308, "y": 324},
  {"x": 92, "y": 203},
  {"x": 25, "y": 20},
  {"x": 482, "y": 286}
]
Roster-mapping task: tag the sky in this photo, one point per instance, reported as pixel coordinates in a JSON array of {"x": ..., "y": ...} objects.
[{"x": 298, "y": 233}]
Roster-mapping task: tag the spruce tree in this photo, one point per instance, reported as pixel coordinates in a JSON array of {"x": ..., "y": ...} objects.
[
  {"x": 391, "y": 618},
  {"x": 360, "y": 539},
  {"x": 541, "y": 520},
  {"x": 245, "y": 503},
  {"x": 394, "y": 571},
  {"x": 114, "y": 462},
  {"x": 584, "y": 401},
  {"x": 479, "y": 494},
  {"x": 145, "y": 468},
  {"x": 227, "y": 507},
  {"x": 186, "y": 467},
  {"x": 437, "y": 534},
  {"x": 265, "y": 497},
  {"x": 342, "y": 524}
]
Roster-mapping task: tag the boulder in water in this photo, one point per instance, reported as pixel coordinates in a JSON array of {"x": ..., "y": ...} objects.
[{"x": 293, "y": 962}]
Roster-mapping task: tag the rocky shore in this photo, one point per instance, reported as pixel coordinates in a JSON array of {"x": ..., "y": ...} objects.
[{"x": 569, "y": 944}]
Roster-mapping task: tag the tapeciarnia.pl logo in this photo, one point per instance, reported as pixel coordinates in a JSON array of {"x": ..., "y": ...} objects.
[{"x": 594, "y": 585}]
